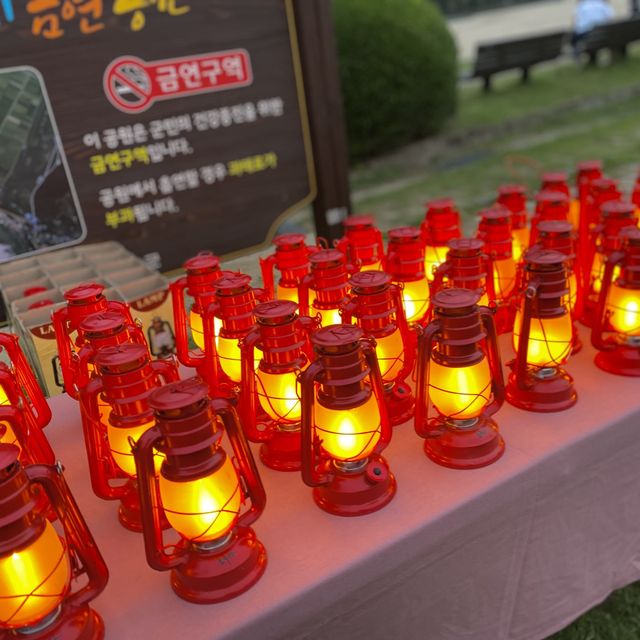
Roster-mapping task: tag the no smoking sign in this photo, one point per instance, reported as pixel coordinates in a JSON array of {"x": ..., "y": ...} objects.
[{"x": 133, "y": 85}]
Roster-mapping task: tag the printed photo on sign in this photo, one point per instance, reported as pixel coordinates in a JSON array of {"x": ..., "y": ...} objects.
[{"x": 37, "y": 206}]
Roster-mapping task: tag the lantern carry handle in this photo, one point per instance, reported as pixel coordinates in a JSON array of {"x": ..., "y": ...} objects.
[
  {"x": 525, "y": 332},
  {"x": 248, "y": 404},
  {"x": 150, "y": 503},
  {"x": 32, "y": 440},
  {"x": 426, "y": 338},
  {"x": 210, "y": 352},
  {"x": 65, "y": 353},
  {"x": 248, "y": 470},
  {"x": 166, "y": 370},
  {"x": 95, "y": 439},
  {"x": 495, "y": 363},
  {"x": 185, "y": 355},
  {"x": 36, "y": 404},
  {"x": 267, "y": 266},
  {"x": 310, "y": 445},
  {"x": 369, "y": 349},
  {"x": 597, "y": 333},
  {"x": 78, "y": 536}
]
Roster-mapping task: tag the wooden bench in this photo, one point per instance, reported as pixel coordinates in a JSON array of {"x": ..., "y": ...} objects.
[
  {"x": 520, "y": 53},
  {"x": 614, "y": 36}
]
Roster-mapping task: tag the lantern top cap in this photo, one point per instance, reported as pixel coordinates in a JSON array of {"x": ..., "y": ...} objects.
[
  {"x": 118, "y": 355},
  {"x": 32, "y": 291},
  {"x": 495, "y": 215},
  {"x": 370, "y": 279},
  {"x": 555, "y": 226},
  {"x": 604, "y": 184},
  {"x": 512, "y": 189},
  {"x": 466, "y": 244},
  {"x": 274, "y": 310},
  {"x": 336, "y": 335},
  {"x": 357, "y": 221},
  {"x": 83, "y": 293},
  {"x": 550, "y": 195},
  {"x": 327, "y": 257},
  {"x": 455, "y": 298},
  {"x": 544, "y": 257},
  {"x": 204, "y": 261},
  {"x": 178, "y": 395},
  {"x": 589, "y": 166},
  {"x": 630, "y": 234},
  {"x": 404, "y": 233},
  {"x": 230, "y": 280},
  {"x": 105, "y": 321},
  {"x": 41, "y": 303},
  {"x": 440, "y": 203},
  {"x": 289, "y": 241},
  {"x": 618, "y": 208},
  {"x": 554, "y": 176},
  {"x": 9, "y": 455}
]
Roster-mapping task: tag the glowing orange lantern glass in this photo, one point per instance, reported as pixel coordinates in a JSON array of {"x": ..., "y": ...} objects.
[
  {"x": 201, "y": 491},
  {"x": 542, "y": 337},
  {"x": 459, "y": 371},
  {"x": 39, "y": 570},
  {"x": 345, "y": 425}
]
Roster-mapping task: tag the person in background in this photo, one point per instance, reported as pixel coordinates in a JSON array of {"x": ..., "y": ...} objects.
[{"x": 588, "y": 15}]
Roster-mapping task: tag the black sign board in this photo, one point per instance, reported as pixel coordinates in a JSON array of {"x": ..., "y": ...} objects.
[{"x": 180, "y": 124}]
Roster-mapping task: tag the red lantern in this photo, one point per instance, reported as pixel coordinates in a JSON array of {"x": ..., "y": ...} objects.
[
  {"x": 558, "y": 235},
  {"x": 233, "y": 305},
  {"x": 328, "y": 281},
  {"x": 345, "y": 425},
  {"x": 588, "y": 171},
  {"x": 550, "y": 205},
  {"x": 405, "y": 264},
  {"x": 615, "y": 215},
  {"x": 362, "y": 243},
  {"x": 514, "y": 198},
  {"x": 467, "y": 267},
  {"x": 38, "y": 568},
  {"x": 284, "y": 350},
  {"x": 494, "y": 230},
  {"x": 618, "y": 310},
  {"x": 441, "y": 223},
  {"x": 201, "y": 273},
  {"x": 82, "y": 302},
  {"x": 376, "y": 306},
  {"x": 201, "y": 490},
  {"x": 459, "y": 371},
  {"x": 291, "y": 258},
  {"x": 125, "y": 377},
  {"x": 542, "y": 337}
]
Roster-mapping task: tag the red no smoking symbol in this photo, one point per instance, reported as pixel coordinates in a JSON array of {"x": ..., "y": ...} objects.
[
  {"x": 133, "y": 85},
  {"x": 128, "y": 85}
]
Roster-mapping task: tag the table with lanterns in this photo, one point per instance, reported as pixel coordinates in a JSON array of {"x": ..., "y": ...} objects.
[{"x": 420, "y": 469}]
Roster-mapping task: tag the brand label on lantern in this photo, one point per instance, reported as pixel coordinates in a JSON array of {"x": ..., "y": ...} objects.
[{"x": 158, "y": 125}]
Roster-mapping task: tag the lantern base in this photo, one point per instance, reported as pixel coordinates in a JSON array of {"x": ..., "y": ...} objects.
[
  {"x": 129, "y": 514},
  {"x": 544, "y": 395},
  {"x": 221, "y": 573},
  {"x": 72, "y": 623},
  {"x": 282, "y": 451},
  {"x": 624, "y": 360},
  {"x": 471, "y": 447},
  {"x": 400, "y": 403},
  {"x": 367, "y": 488}
]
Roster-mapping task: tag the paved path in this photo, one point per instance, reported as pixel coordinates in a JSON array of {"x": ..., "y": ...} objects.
[{"x": 520, "y": 20}]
